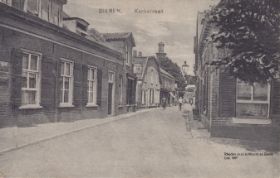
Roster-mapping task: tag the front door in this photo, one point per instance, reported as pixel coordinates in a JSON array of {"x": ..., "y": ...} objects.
[
  {"x": 111, "y": 79},
  {"x": 110, "y": 98}
]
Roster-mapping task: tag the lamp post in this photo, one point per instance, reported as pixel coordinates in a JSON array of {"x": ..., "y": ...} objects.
[{"x": 185, "y": 67}]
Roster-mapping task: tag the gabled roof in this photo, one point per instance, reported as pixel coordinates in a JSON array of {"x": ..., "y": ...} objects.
[
  {"x": 166, "y": 73},
  {"x": 143, "y": 61},
  {"x": 93, "y": 33},
  {"x": 119, "y": 36},
  {"x": 76, "y": 18}
]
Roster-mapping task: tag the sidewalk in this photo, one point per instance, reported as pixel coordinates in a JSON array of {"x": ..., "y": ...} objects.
[
  {"x": 195, "y": 127},
  {"x": 13, "y": 138},
  {"x": 198, "y": 131}
]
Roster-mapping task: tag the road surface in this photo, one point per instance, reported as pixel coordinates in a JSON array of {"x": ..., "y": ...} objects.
[{"x": 149, "y": 145}]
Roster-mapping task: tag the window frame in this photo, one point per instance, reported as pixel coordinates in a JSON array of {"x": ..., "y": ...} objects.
[
  {"x": 252, "y": 101},
  {"x": 39, "y": 7},
  {"x": 94, "y": 80},
  {"x": 48, "y": 10},
  {"x": 7, "y": 2},
  {"x": 126, "y": 55},
  {"x": 121, "y": 90},
  {"x": 71, "y": 84},
  {"x": 37, "y": 73}
]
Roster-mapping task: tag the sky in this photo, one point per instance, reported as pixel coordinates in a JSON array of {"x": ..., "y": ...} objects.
[{"x": 175, "y": 27}]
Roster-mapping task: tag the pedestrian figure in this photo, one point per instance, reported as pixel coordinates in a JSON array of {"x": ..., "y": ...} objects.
[
  {"x": 180, "y": 103},
  {"x": 163, "y": 102},
  {"x": 191, "y": 101}
]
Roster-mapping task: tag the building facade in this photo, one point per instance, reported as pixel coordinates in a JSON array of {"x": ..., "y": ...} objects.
[
  {"x": 227, "y": 106},
  {"x": 124, "y": 42},
  {"x": 147, "y": 71},
  {"x": 168, "y": 84},
  {"x": 167, "y": 88},
  {"x": 49, "y": 73}
]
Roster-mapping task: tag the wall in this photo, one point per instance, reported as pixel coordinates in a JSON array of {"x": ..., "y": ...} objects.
[{"x": 14, "y": 40}]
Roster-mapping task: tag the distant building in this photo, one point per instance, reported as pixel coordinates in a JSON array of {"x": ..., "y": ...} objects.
[
  {"x": 147, "y": 71},
  {"x": 124, "y": 42},
  {"x": 168, "y": 87},
  {"x": 168, "y": 84},
  {"x": 227, "y": 106},
  {"x": 161, "y": 54}
]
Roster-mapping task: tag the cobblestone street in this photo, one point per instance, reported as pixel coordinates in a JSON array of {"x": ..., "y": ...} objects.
[{"x": 149, "y": 145}]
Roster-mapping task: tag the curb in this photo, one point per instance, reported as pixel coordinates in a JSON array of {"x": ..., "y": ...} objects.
[{"x": 106, "y": 120}]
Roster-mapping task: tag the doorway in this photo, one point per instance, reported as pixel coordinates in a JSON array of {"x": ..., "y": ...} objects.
[{"x": 111, "y": 77}]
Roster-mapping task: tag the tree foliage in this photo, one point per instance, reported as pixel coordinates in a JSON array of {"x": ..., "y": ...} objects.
[
  {"x": 174, "y": 70},
  {"x": 250, "y": 30}
]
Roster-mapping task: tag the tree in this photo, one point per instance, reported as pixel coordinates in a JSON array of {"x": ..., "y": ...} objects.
[
  {"x": 174, "y": 70},
  {"x": 191, "y": 80},
  {"x": 250, "y": 30}
]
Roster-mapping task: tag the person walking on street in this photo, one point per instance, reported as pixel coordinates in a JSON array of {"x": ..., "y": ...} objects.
[
  {"x": 163, "y": 102},
  {"x": 180, "y": 103}
]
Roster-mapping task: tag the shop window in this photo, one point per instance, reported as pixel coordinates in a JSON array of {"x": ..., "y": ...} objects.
[{"x": 252, "y": 100}]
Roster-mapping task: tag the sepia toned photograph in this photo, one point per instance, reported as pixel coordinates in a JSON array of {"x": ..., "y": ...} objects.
[{"x": 139, "y": 89}]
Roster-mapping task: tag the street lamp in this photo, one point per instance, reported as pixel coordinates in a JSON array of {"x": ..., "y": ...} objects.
[{"x": 185, "y": 68}]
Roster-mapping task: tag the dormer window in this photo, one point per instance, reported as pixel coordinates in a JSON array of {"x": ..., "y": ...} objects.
[
  {"x": 32, "y": 6},
  {"x": 81, "y": 26},
  {"x": 8, "y": 2}
]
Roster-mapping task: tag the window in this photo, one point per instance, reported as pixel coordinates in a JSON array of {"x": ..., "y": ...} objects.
[
  {"x": 30, "y": 89},
  {"x": 45, "y": 13},
  {"x": 32, "y": 6},
  {"x": 55, "y": 15},
  {"x": 152, "y": 76},
  {"x": 121, "y": 90},
  {"x": 252, "y": 100},
  {"x": 111, "y": 77},
  {"x": 8, "y": 2},
  {"x": 66, "y": 83},
  {"x": 137, "y": 68},
  {"x": 92, "y": 85},
  {"x": 126, "y": 54}
]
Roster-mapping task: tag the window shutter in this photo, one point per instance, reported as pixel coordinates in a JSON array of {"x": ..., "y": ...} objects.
[
  {"x": 134, "y": 92},
  {"x": 227, "y": 95},
  {"x": 99, "y": 87},
  {"x": 85, "y": 84},
  {"x": 77, "y": 87},
  {"x": 275, "y": 99},
  {"x": 16, "y": 63},
  {"x": 47, "y": 82},
  {"x": 58, "y": 81},
  {"x": 19, "y": 4}
]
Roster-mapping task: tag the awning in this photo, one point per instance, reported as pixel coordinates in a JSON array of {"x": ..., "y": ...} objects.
[
  {"x": 131, "y": 76},
  {"x": 172, "y": 95}
]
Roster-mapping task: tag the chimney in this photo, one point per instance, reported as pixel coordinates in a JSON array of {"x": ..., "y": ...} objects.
[
  {"x": 139, "y": 54},
  {"x": 161, "y": 47},
  {"x": 134, "y": 53}
]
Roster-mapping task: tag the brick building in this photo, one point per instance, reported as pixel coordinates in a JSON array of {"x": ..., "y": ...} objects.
[
  {"x": 124, "y": 42},
  {"x": 168, "y": 82},
  {"x": 228, "y": 106},
  {"x": 168, "y": 87},
  {"x": 147, "y": 71},
  {"x": 50, "y": 72}
]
